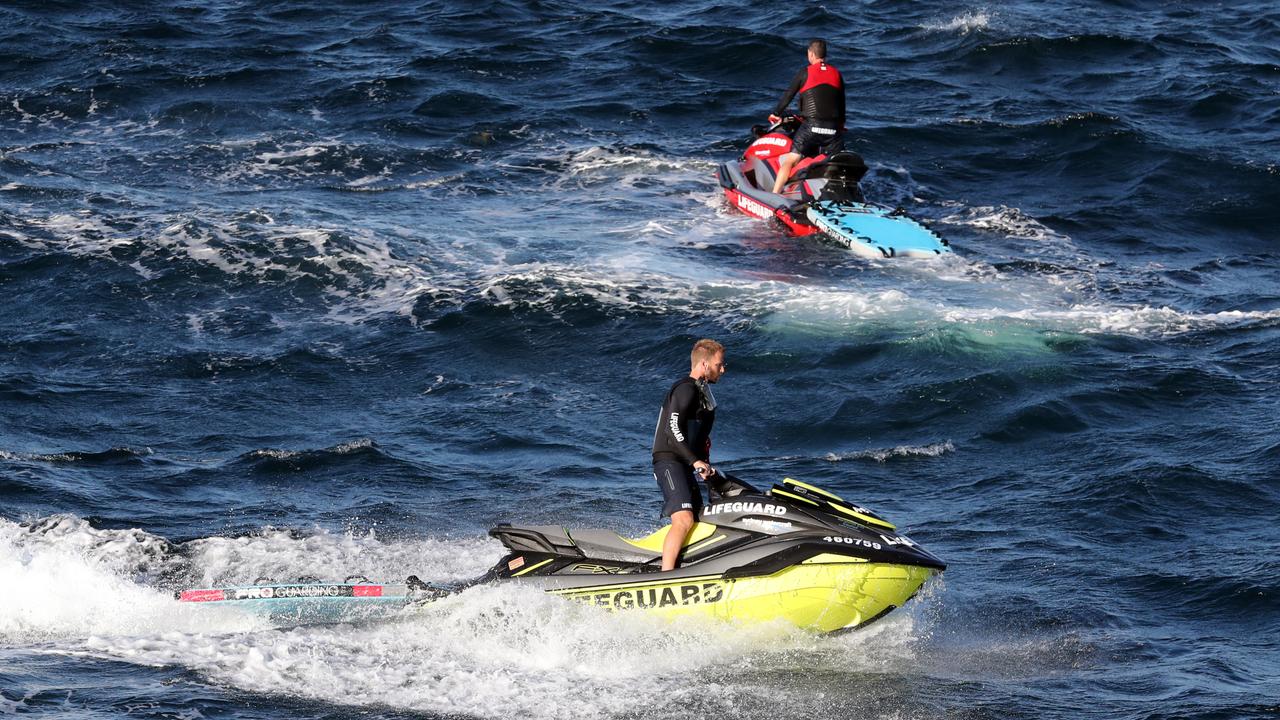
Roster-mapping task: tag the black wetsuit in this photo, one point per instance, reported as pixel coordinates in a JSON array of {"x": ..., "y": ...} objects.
[
  {"x": 821, "y": 98},
  {"x": 682, "y": 437}
]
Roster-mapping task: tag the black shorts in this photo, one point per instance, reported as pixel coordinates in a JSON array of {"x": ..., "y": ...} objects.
[
  {"x": 810, "y": 141},
  {"x": 679, "y": 487}
]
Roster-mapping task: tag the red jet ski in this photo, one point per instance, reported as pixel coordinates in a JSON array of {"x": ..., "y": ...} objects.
[{"x": 822, "y": 196}]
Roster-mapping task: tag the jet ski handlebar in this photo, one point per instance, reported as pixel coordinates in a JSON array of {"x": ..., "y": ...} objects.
[
  {"x": 726, "y": 485},
  {"x": 787, "y": 124}
]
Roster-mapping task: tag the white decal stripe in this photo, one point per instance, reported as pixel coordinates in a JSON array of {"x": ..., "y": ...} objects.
[{"x": 675, "y": 427}]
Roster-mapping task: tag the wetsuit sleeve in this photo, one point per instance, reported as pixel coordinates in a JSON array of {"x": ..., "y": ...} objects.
[
  {"x": 675, "y": 421},
  {"x": 796, "y": 84}
]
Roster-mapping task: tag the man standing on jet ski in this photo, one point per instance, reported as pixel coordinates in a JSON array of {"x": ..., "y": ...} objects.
[
  {"x": 682, "y": 444},
  {"x": 821, "y": 89}
]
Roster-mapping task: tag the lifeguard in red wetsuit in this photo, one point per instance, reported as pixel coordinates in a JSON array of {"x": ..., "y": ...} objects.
[{"x": 821, "y": 90}]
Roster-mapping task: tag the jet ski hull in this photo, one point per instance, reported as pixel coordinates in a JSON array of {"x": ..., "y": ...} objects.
[
  {"x": 761, "y": 204},
  {"x": 795, "y": 554},
  {"x": 821, "y": 598}
]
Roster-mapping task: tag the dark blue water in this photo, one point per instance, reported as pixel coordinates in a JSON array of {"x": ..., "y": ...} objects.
[{"x": 330, "y": 288}]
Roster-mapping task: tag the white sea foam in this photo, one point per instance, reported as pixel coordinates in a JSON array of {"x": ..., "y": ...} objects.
[
  {"x": 62, "y": 579},
  {"x": 367, "y": 272},
  {"x": 283, "y": 555},
  {"x": 366, "y": 278},
  {"x": 623, "y": 170},
  {"x": 1034, "y": 303},
  {"x": 1139, "y": 320},
  {"x": 492, "y": 652},
  {"x": 264, "y": 159},
  {"x": 297, "y": 152},
  {"x": 434, "y": 182},
  {"x": 512, "y": 651},
  {"x": 364, "y": 275},
  {"x": 540, "y": 284},
  {"x": 964, "y": 23},
  {"x": 826, "y": 310},
  {"x": 883, "y": 454},
  {"x": 368, "y": 180},
  {"x": 340, "y": 449},
  {"x": 599, "y": 160},
  {"x": 66, "y": 579},
  {"x": 1007, "y": 221},
  {"x": 26, "y": 116}
]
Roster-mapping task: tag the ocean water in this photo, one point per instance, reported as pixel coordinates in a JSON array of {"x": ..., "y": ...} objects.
[{"x": 332, "y": 288}]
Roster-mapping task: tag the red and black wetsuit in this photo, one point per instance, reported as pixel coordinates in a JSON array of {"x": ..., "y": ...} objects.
[{"x": 821, "y": 90}]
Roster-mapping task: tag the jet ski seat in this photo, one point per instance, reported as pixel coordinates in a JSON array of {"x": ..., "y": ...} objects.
[
  {"x": 763, "y": 174},
  {"x": 597, "y": 542},
  {"x": 591, "y": 542},
  {"x": 535, "y": 538}
]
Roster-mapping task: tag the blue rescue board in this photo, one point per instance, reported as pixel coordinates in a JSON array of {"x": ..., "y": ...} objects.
[
  {"x": 317, "y": 602},
  {"x": 876, "y": 231}
]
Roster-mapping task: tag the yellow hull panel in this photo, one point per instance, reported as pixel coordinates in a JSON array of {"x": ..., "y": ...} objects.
[{"x": 818, "y": 597}]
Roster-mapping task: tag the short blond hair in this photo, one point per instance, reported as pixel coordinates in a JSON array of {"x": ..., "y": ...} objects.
[{"x": 704, "y": 349}]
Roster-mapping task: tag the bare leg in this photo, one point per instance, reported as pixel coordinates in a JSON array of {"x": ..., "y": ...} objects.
[
  {"x": 681, "y": 521},
  {"x": 787, "y": 162}
]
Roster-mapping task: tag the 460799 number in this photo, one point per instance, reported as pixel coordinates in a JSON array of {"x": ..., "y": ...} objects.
[{"x": 854, "y": 541}]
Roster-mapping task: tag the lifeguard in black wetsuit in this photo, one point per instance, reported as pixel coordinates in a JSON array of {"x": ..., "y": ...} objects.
[
  {"x": 682, "y": 444},
  {"x": 821, "y": 98}
]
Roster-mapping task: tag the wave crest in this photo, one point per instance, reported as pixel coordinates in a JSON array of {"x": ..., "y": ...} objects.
[
  {"x": 965, "y": 23},
  {"x": 902, "y": 451}
]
